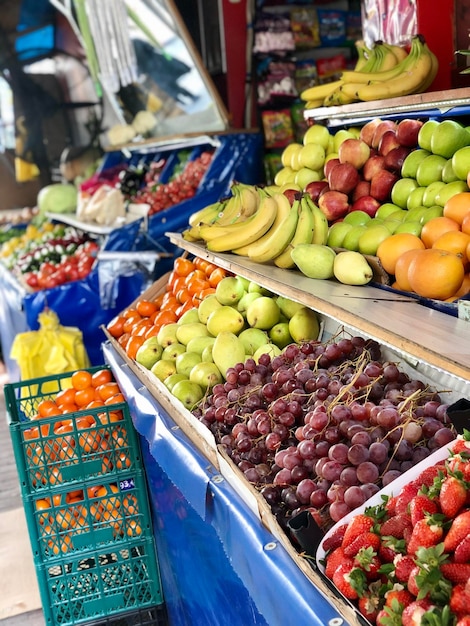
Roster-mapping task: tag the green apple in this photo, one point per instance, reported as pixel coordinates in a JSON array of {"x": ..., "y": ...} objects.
[
  {"x": 229, "y": 290},
  {"x": 392, "y": 225},
  {"x": 288, "y": 153},
  {"x": 387, "y": 209},
  {"x": 330, "y": 148},
  {"x": 163, "y": 368},
  {"x": 449, "y": 190},
  {"x": 425, "y": 134},
  {"x": 351, "y": 240},
  {"x": 304, "y": 325},
  {"x": 206, "y": 375},
  {"x": 317, "y": 134},
  {"x": 336, "y": 234},
  {"x": 448, "y": 137},
  {"x": 410, "y": 227},
  {"x": 186, "y": 361},
  {"x": 412, "y": 161},
  {"x": 398, "y": 215},
  {"x": 429, "y": 196},
  {"x": 416, "y": 198},
  {"x": 461, "y": 163},
  {"x": 167, "y": 334},
  {"x": 357, "y": 218},
  {"x": 415, "y": 214},
  {"x": 280, "y": 335},
  {"x": 172, "y": 351},
  {"x": 401, "y": 191},
  {"x": 149, "y": 352},
  {"x": 448, "y": 174},
  {"x": 207, "y": 306},
  {"x": 188, "y": 393},
  {"x": 252, "y": 339},
  {"x": 430, "y": 170},
  {"x": 171, "y": 381},
  {"x": 312, "y": 155},
  {"x": 225, "y": 318},
  {"x": 369, "y": 240},
  {"x": 305, "y": 176},
  {"x": 432, "y": 212},
  {"x": 263, "y": 313}
]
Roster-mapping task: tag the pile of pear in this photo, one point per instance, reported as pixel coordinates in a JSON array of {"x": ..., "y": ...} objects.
[{"x": 240, "y": 321}]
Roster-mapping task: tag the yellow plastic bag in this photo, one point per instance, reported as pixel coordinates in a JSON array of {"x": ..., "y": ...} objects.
[{"x": 53, "y": 349}]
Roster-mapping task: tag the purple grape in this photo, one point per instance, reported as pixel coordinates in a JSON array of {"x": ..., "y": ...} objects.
[
  {"x": 367, "y": 472},
  {"x": 354, "y": 497},
  {"x": 358, "y": 454}
]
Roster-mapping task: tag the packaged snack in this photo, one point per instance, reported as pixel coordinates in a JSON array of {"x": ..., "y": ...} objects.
[
  {"x": 273, "y": 33},
  {"x": 332, "y": 27},
  {"x": 329, "y": 69},
  {"x": 305, "y": 27},
  {"x": 277, "y": 127}
]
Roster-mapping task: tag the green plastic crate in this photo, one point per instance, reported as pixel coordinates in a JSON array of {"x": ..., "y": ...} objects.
[
  {"x": 94, "y": 514},
  {"x": 104, "y": 583},
  {"x": 64, "y": 449}
]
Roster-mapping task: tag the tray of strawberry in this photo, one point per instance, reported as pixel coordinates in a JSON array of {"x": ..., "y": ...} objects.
[{"x": 404, "y": 558}]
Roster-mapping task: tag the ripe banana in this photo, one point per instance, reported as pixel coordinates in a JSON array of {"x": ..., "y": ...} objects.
[
  {"x": 363, "y": 53},
  {"x": 208, "y": 213},
  {"x": 320, "y": 229},
  {"x": 319, "y": 92},
  {"x": 243, "y": 233},
  {"x": 271, "y": 247},
  {"x": 303, "y": 234},
  {"x": 366, "y": 77},
  {"x": 283, "y": 209},
  {"x": 399, "y": 51},
  {"x": 314, "y": 104},
  {"x": 432, "y": 74}
]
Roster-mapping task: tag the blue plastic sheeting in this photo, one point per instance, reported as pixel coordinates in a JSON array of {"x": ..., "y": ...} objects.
[{"x": 219, "y": 564}]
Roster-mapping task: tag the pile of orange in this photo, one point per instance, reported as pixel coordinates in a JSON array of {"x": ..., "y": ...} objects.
[
  {"x": 437, "y": 263},
  {"x": 189, "y": 282}
]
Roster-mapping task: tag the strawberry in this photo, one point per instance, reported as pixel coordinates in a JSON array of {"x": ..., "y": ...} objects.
[
  {"x": 368, "y": 561},
  {"x": 370, "y": 603},
  {"x": 459, "y": 601},
  {"x": 403, "y": 563},
  {"x": 420, "y": 505},
  {"x": 390, "y": 505},
  {"x": 412, "y": 585},
  {"x": 395, "y": 526},
  {"x": 335, "y": 539},
  {"x": 390, "y": 548},
  {"x": 427, "y": 532},
  {"x": 407, "y": 493},
  {"x": 364, "y": 540},
  {"x": 427, "y": 476},
  {"x": 458, "y": 573},
  {"x": 359, "y": 524},
  {"x": 350, "y": 581},
  {"x": 463, "y": 621},
  {"x": 413, "y": 613},
  {"x": 453, "y": 496},
  {"x": 459, "y": 529},
  {"x": 401, "y": 595},
  {"x": 334, "y": 560},
  {"x": 462, "y": 551},
  {"x": 460, "y": 444}
]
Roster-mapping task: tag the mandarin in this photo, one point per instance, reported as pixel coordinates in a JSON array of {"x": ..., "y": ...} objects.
[{"x": 435, "y": 273}]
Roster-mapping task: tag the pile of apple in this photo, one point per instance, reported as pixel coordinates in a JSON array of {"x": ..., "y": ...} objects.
[{"x": 240, "y": 321}]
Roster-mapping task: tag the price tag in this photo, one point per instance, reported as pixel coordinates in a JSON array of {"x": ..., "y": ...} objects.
[{"x": 126, "y": 484}]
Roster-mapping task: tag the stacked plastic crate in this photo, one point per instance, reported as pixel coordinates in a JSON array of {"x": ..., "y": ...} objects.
[{"x": 85, "y": 499}]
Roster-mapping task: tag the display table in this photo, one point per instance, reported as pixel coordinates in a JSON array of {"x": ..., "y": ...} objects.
[{"x": 219, "y": 564}]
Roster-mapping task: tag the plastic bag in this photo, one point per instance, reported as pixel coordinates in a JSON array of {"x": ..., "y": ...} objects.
[{"x": 53, "y": 349}]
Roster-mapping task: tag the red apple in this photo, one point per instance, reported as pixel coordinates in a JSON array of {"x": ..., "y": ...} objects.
[
  {"x": 354, "y": 151},
  {"x": 315, "y": 188},
  {"x": 329, "y": 165},
  {"x": 368, "y": 130},
  {"x": 343, "y": 177},
  {"x": 292, "y": 195},
  {"x": 407, "y": 132},
  {"x": 393, "y": 160},
  {"x": 373, "y": 165},
  {"x": 333, "y": 204},
  {"x": 368, "y": 204},
  {"x": 388, "y": 142},
  {"x": 381, "y": 185},
  {"x": 380, "y": 130},
  {"x": 362, "y": 189}
]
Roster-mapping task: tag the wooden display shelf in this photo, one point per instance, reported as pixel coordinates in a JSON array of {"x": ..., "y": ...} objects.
[{"x": 400, "y": 322}]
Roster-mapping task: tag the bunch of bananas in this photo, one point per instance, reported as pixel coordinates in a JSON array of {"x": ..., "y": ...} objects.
[
  {"x": 264, "y": 235},
  {"x": 384, "y": 71}
]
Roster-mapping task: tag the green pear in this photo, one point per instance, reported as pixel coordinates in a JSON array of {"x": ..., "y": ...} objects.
[
  {"x": 351, "y": 268},
  {"x": 263, "y": 313},
  {"x": 246, "y": 300},
  {"x": 280, "y": 335},
  {"x": 254, "y": 287},
  {"x": 229, "y": 290},
  {"x": 186, "y": 361},
  {"x": 206, "y": 375},
  {"x": 252, "y": 339},
  {"x": 425, "y": 134},
  {"x": 188, "y": 393},
  {"x": 288, "y": 307},
  {"x": 206, "y": 354},
  {"x": 206, "y": 306},
  {"x": 225, "y": 318},
  {"x": 189, "y": 316},
  {"x": 186, "y": 332},
  {"x": 337, "y": 233},
  {"x": 172, "y": 351},
  {"x": 430, "y": 170},
  {"x": 244, "y": 282},
  {"x": 314, "y": 260},
  {"x": 167, "y": 334},
  {"x": 171, "y": 381},
  {"x": 163, "y": 368},
  {"x": 227, "y": 351},
  {"x": 268, "y": 348},
  {"x": 448, "y": 174},
  {"x": 304, "y": 325},
  {"x": 414, "y": 228},
  {"x": 199, "y": 343},
  {"x": 149, "y": 352}
]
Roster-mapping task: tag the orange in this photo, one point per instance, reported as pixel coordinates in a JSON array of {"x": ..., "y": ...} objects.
[
  {"x": 71, "y": 407},
  {"x": 393, "y": 247},
  {"x": 146, "y": 307},
  {"x": 401, "y": 270},
  {"x": 117, "y": 399},
  {"x": 131, "y": 321},
  {"x": 116, "y": 326},
  {"x": 65, "y": 396},
  {"x": 457, "y": 207},
  {"x": 101, "y": 376},
  {"x": 455, "y": 242},
  {"x": 465, "y": 225},
  {"x": 464, "y": 289},
  {"x": 435, "y": 273},
  {"x": 165, "y": 316},
  {"x": 83, "y": 397},
  {"x": 196, "y": 285},
  {"x": 47, "y": 408},
  {"x": 108, "y": 390},
  {"x": 81, "y": 379},
  {"x": 216, "y": 276},
  {"x": 183, "y": 266},
  {"x": 436, "y": 227},
  {"x": 134, "y": 343}
]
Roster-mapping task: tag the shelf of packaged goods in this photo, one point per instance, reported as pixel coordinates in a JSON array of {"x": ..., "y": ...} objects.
[
  {"x": 453, "y": 102},
  {"x": 419, "y": 333}
]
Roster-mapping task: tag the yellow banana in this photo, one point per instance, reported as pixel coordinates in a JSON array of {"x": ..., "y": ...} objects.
[
  {"x": 207, "y": 214},
  {"x": 314, "y": 104},
  {"x": 320, "y": 229},
  {"x": 283, "y": 209},
  {"x": 269, "y": 248},
  {"x": 399, "y": 51},
  {"x": 303, "y": 234},
  {"x": 363, "y": 53},
  {"x": 319, "y": 92},
  {"x": 418, "y": 68},
  {"x": 432, "y": 74},
  {"x": 243, "y": 233},
  {"x": 389, "y": 58},
  {"x": 338, "y": 98}
]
